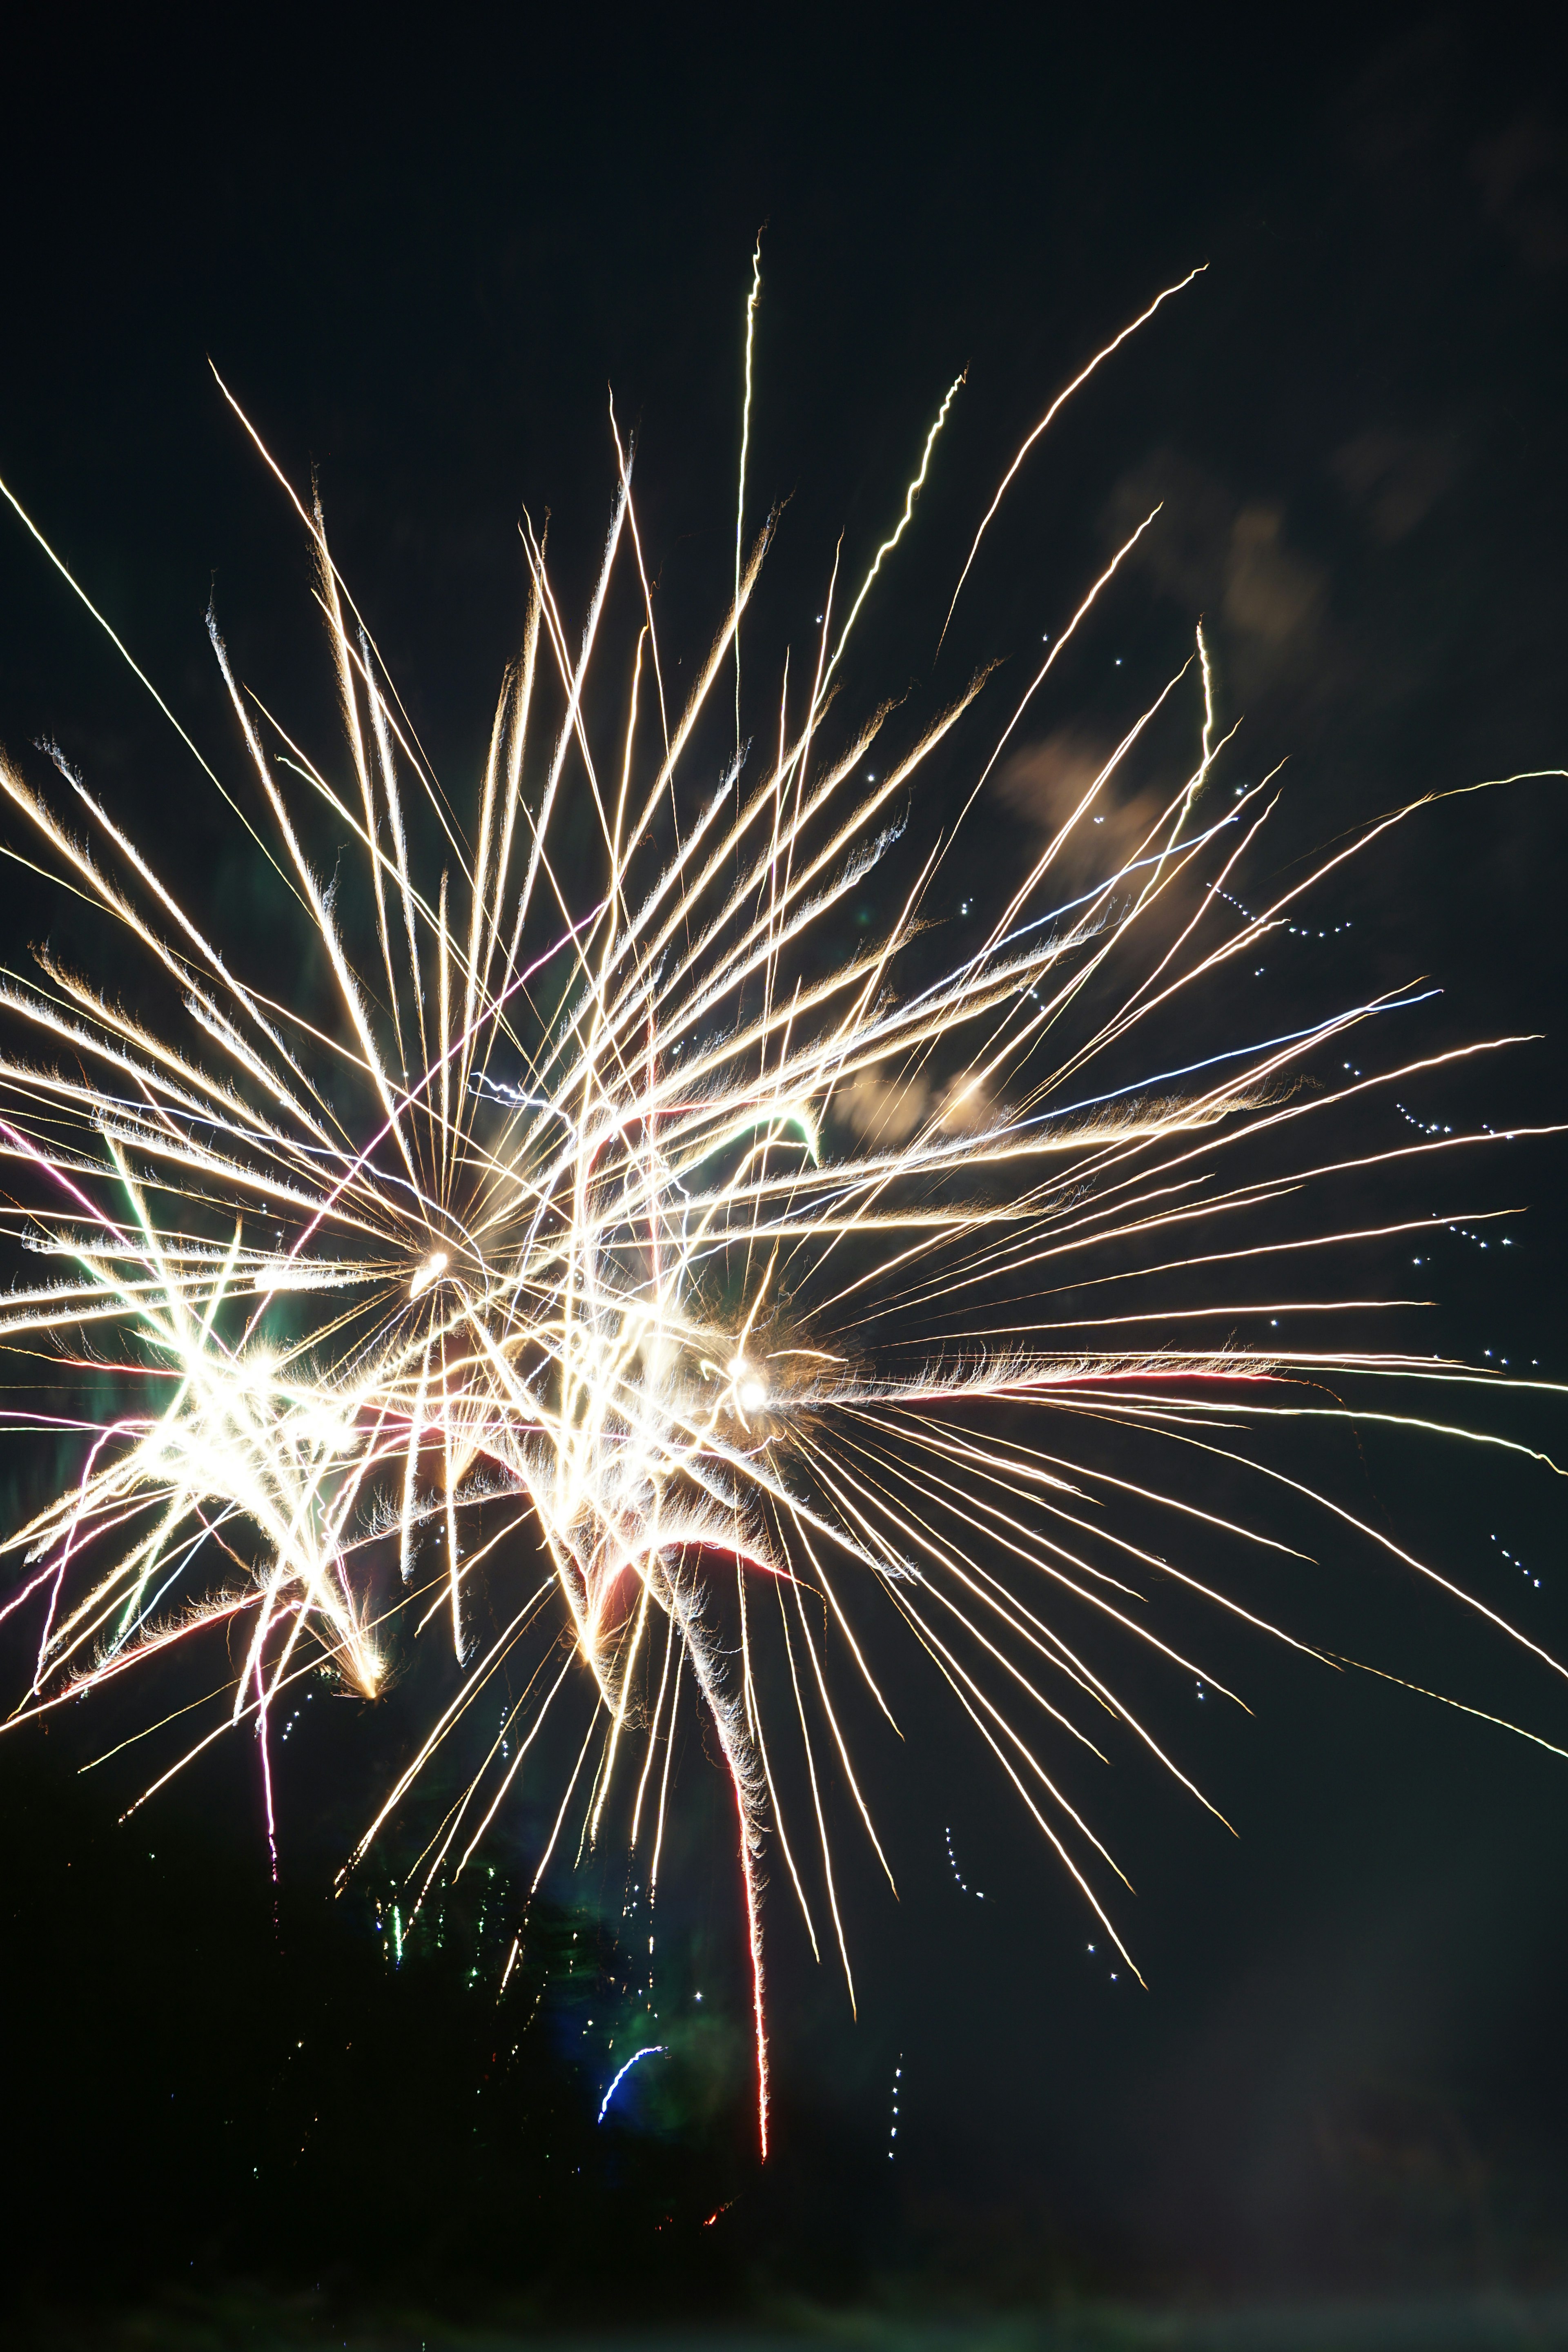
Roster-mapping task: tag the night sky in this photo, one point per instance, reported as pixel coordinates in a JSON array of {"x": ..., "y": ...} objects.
[{"x": 420, "y": 257}]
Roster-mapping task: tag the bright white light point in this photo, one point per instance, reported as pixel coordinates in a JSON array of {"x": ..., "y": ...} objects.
[
  {"x": 434, "y": 1267},
  {"x": 752, "y": 1395}
]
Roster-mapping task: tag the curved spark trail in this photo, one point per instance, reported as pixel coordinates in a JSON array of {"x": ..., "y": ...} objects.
[
  {"x": 652, "y": 2050},
  {"x": 642, "y": 1258}
]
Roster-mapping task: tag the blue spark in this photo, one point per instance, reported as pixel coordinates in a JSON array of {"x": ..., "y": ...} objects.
[{"x": 653, "y": 2049}]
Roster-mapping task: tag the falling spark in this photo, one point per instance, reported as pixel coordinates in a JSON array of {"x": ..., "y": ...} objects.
[
  {"x": 752, "y": 300},
  {"x": 652, "y": 2050}
]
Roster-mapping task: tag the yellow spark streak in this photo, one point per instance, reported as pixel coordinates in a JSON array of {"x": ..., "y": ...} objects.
[
  {"x": 137, "y": 671},
  {"x": 642, "y": 575},
  {"x": 955, "y": 1681},
  {"x": 350, "y": 699},
  {"x": 1064, "y": 639},
  {"x": 916, "y": 486},
  {"x": 328, "y": 929},
  {"x": 972, "y": 1579},
  {"x": 653, "y": 1730},
  {"x": 664, "y": 1777},
  {"x": 834, "y": 1725},
  {"x": 445, "y": 1143},
  {"x": 478, "y": 910},
  {"x": 1060, "y": 401},
  {"x": 425, "y": 773},
  {"x": 752, "y": 300},
  {"x": 817, "y": 1802},
  {"x": 619, "y": 1715},
  {"x": 1458, "y": 1705},
  {"x": 516, "y": 1767}
]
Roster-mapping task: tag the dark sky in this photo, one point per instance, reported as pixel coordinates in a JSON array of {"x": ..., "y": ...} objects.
[{"x": 419, "y": 256}]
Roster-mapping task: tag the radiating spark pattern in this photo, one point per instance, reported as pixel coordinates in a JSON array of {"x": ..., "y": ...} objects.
[{"x": 636, "y": 1242}]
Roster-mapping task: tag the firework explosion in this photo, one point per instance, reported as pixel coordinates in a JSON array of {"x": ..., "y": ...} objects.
[{"x": 647, "y": 1257}]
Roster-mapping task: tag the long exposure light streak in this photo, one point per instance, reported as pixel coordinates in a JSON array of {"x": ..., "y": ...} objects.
[
  {"x": 649, "y": 2050},
  {"x": 631, "y": 1223}
]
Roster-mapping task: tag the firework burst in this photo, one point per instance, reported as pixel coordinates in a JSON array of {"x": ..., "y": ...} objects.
[{"x": 661, "y": 1253}]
